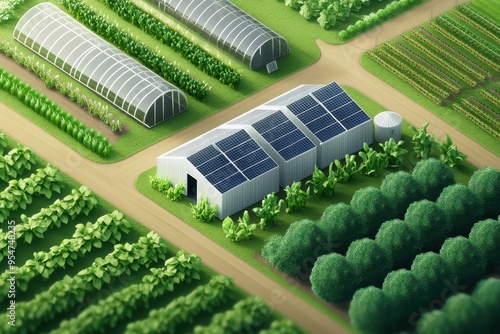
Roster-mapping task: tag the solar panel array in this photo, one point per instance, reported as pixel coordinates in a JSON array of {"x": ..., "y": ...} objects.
[
  {"x": 330, "y": 113},
  {"x": 232, "y": 161},
  {"x": 283, "y": 135}
]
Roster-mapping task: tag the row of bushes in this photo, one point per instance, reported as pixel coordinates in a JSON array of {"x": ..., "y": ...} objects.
[
  {"x": 41, "y": 105},
  {"x": 7, "y": 9},
  {"x": 130, "y": 45},
  {"x": 51, "y": 80},
  {"x": 187, "y": 49}
]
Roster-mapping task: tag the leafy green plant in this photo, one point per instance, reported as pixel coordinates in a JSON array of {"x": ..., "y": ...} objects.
[
  {"x": 184, "y": 309},
  {"x": 296, "y": 197},
  {"x": 175, "y": 193},
  {"x": 392, "y": 152},
  {"x": 161, "y": 184},
  {"x": 450, "y": 154},
  {"x": 203, "y": 210},
  {"x": 348, "y": 169},
  {"x": 268, "y": 212},
  {"x": 4, "y": 143},
  {"x": 16, "y": 162},
  {"x": 371, "y": 161},
  {"x": 423, "y": 142},
  {"x": 241, "y": 231}
]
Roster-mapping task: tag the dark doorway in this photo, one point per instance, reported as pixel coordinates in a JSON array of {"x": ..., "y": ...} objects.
[{"x": 191, "y": 187}]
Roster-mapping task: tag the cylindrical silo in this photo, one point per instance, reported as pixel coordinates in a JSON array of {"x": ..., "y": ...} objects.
[{"x": 387, "y": 125}]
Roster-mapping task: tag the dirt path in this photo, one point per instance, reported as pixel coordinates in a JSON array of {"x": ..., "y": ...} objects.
[{"x": 116, "y": 182}]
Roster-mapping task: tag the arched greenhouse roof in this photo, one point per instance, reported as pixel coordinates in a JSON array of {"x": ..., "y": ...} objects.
[
  {"x": 89, "y": 59},
  {"x": 230, "y": 28}
]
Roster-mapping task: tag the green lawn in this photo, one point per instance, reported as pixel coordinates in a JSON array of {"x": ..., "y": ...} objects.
[{"x": 249, "y": 251}]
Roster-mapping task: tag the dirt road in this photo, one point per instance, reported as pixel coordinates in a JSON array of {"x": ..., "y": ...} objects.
[{"x": 116, "y": 182}]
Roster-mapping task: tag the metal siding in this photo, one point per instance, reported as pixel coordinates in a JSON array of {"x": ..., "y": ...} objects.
[{"x": 298, "y": 168}]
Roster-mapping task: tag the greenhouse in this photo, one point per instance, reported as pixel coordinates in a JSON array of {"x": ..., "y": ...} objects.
[
  {"x": 230, "y": 28},
  {"x": 89, "y": 59}
]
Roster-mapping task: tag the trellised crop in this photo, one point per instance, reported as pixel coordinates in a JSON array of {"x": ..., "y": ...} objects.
[
  {"x": 173, "y": 39},
  {"x": 135, "y": 48}
]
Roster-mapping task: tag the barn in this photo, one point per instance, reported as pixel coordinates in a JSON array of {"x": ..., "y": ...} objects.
[{"x": 118, "y": 78}]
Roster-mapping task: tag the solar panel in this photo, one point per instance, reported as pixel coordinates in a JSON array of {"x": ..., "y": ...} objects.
[
  {"x": 250, "y": 159},
  {"x": 270, "y": 122},
  {"x": 330, "y": 132},
  {"x": 346, "y": 111},
  {"x": 302, "y": 105},
  {"x": 233, "y": 140},
  {"x": 312, "y": 114},
  {"x": 222, "y": 173},
  {"x": 320, "y": 123},
  {"x": 355, "y": 120},
  {"x": 328, "y": 91},
  {"x": 279, "y": 131},
  {"x": 203, "y": 155},
  {"x": 230, "y": 182},
  {"x": 337, "y": 101},
  {"x": 213, "y": 164},
  {"x": 242, "y": 149},
  {"x": 296, "y": 149},
  {"x": 259, "y": 168}
]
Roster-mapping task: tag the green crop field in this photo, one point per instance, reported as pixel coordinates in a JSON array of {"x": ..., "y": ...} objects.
[{"x": 490, "y": 7}]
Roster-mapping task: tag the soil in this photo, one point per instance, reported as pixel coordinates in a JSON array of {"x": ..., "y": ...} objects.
[{"x": 116, "y": 182}]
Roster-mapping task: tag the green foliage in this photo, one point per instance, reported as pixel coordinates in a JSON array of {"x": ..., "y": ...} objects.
[
  {"x": 246, "y": 314},
  {"x": 40, "y": 104},
  {"x": 432, "y": 176},
  {"x": 173, "y": 39},
  {"x": 333, "y": 278},
  {"x": 175, "y": 193},
  {"x": 399, "y": 241},
  {"x": 370, "y": 261},
  {"x": 423, "y": 142},
  {"x": 7, "y": 9},
  {"x": 241, "y": 231},
  {"x": 184, "y": 309},
  {"x": 485, "y": 236},
  {"x": 485, "y": 184},
  {"x": 372, "y": 207},
  {"x": 370, "y": 311},
  {"x": 284, "y": 326},
  {"x": 108, "y": 312},
  {"x": 4, "y": 143},
  {"x": 371, "y": 161},
  {"x": 450, "y": 154},
  {"x": 392, "y": 152},
  {"x": 295, "y": 252},
  {"x": 296, "y": 197},
  {"x": 347, "y": 170},
  {"x": 465, "y": 260},
  {"x": 16, "y": 162},
  {"x": 161, "y": 184},
  {"x": 340, "y": 225},
  {"x": 430, "y": 223},
  {"x": 432, "y": 271},
  {"x": 323, "y": 185},
  {"x": 203, "y": 210},
  {"x": 401, "y": 190},
  {"x": 487, "y": 294},
  {"x": 268, "y": 212},
  {"x": 20, "y": 193},
  {"x": 124, "y": 41}
]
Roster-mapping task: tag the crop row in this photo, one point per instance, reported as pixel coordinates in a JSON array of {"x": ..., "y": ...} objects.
[
  {"x": 124, "y": 41},
  {"x": 431, "y": 95},
  {"x": 51, "y": 80},
  {"x": 425, "y": 70},
  {"x": 63, "y": 295},
  {"x": 470, "y": 48},
  {"x": 481, "y": 112},
  {"x": 484, "y": 20},
  {"x": 60, "y": 212},
  {"x": 41, "y": 105},
  {"x": 178, "y": 43},
  {"x": 479, "y": 26},
  {"x": 108, "y": 312},
  {"x": 20, "y": 193},
  {"x": 15, "y": 163},
  {"x": 107, "y": 228},
  {"x": 494, "y": 99},
  {"x": 470, "y": 115},
  {"x": 465, "y": 34},
  {"x": 417, "y": 40}
]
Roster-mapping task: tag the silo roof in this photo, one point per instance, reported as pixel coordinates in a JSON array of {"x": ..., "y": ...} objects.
[{"x": 388, "y": 119}]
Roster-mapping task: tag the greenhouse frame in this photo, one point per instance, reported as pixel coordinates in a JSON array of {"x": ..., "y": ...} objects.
[
  {"x": 230, "y": 28},
  {"x": 89, "y": 59}
]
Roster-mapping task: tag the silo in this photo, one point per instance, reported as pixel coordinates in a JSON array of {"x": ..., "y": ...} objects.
[{"x": 387, "y": 125}]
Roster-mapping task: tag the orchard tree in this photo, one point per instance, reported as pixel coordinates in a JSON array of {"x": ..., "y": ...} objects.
[
  {"x": 432, "y": 176},
  {"x": 434, "y": 322},
  {"x": 372, "y": 207},
  {"x": 333, "y": 278},
  {"x": 405, "y": 292},
  {"x": 467, "y": 263},
  {"x": 485, "y": 236},
  {"x": 434, "y": 273},
  {"x": 399, "y": 241},
  {"x": 401, "y": 190},
  {"x": 370, "y": 262},
  {"x": 430, "y": 223},
  {"x": 485, "y": 184},
  {"x": 467, "y": 314},
  {"x": 371, "y": 311},
  {"x": 487, "y": 294},
  {"x": 296, "y": 251},
  {"x": 340, "y": 225},
  {"x": 461, "y": 206}
]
